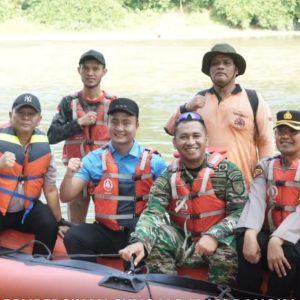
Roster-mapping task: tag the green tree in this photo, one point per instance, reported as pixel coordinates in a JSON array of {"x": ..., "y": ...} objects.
[
  {"x": 75, "y": 14},
  {"x": 9, "y": 9}
]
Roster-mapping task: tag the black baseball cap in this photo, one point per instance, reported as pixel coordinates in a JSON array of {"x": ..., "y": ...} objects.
[
  {"x": 124, "y": 104},
  {"x": 92, "y": 54},
  {"x": 27, "y": 99}
]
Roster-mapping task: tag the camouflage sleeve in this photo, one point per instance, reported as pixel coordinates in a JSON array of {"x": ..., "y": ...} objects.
[
  {"x": 232, "y": 189},
  {"x": 155, "y": 215}
]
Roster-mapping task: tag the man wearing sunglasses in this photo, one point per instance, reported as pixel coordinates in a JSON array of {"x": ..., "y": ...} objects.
[
  {"x": 237, "y": 120},
  {"x": 193, "y": 209},
  {"x": 270, "y": 222}
]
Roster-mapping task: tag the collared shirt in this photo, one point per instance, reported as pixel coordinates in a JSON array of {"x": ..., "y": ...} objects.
[
  {"x": 91, "y": 169},
  {"x": 228, "y": 184},
  {"x": 253, "y": 214},
  {"x": 230, "y": 125}
]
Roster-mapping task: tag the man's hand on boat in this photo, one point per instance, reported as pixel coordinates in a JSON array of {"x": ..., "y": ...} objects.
[
  {"x": 137, "y": 250},
  {"x": 62, "y": 230},
  {"x": 63, "y": 227}
]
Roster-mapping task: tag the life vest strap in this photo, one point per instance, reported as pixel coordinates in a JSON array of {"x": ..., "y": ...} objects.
[
  {"x": 115, "y": 217},
  {"x": 24, "y": 197},
  {"x": 191, "y": 196},
  {"x": 194, "y": 195},
  {"x": 141, "y": 177},
  {"x": 284, "y": 183},
  {"x": 280, "y": 207},
  {"x": 98, "y": 122},
  {"x": 128, "y": 176},
  {"x": 200, "y": 215},
  {"x": 117, "y": 175},
  {"x": 121, "y": 198},
  {"x": 143, "y": 160},
  {"x": 15, "y": 194},
  {"x": 207, "y": 214},
  {"x": 27, "y": 211},
  {"x": 20, "y": 178}
]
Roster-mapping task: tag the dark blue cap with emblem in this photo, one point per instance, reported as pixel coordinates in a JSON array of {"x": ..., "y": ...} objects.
[
  {"x": 289, "y": 118},
  {"x": 27, "y": 99}
]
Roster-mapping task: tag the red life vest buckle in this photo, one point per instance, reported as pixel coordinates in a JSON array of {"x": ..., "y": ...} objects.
[{"x": 89, "y": 142}]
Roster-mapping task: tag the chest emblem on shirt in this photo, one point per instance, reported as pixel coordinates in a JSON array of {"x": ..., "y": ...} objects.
[
  {"x": 239, "y": 122},
  {"x": 258, "y": 171},
  {"x": 108, "y": 185}
]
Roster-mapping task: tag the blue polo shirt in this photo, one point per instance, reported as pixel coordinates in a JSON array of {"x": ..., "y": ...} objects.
[{"x": 91, "y": 170}]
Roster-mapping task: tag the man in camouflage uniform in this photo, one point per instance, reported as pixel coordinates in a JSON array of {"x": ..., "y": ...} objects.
[{"x": 166, "y": 242}]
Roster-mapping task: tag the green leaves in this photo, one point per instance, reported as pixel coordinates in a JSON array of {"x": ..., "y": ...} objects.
[{"x": 110, "y": 14}]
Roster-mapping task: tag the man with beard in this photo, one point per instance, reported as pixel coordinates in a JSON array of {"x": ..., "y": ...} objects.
[
  {"x": 237, "y": 120},
  {"x": 81, "y": 120}
]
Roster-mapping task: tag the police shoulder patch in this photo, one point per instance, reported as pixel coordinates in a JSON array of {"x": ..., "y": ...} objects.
[{"x": 258, "y": 171}]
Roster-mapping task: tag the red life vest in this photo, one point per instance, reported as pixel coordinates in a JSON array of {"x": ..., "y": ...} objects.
[
  {"x": 28, "y": 169},
  {"x": 283, "y": 191},
  {"x": 92, "y": 137},
  {"x": 107, "y": 195},
  {"x": 198, "y": 208}
]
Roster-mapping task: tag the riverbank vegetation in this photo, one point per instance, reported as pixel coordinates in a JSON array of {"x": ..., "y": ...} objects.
[{"x": 83, "y": 15}]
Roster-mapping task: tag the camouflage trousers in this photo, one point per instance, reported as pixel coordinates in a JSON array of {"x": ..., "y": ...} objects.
[{"x": 170, "y": 251}]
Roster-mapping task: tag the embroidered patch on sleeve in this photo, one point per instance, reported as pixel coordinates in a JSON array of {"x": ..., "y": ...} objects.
[
  {"x": 258, "y": 171},
  {"x": 238, "y": 187}
]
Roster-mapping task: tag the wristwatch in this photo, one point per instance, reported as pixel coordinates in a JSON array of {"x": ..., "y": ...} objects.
[{"x": 63, "y": 222}]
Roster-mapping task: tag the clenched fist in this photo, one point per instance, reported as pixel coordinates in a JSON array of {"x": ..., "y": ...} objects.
[{"x": 7, "y": 160}]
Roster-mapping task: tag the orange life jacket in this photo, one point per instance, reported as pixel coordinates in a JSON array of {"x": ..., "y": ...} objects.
[
  {"x": 198, "y": 208},
  {"x": 92, "y": 137},
  {"x": 28, "y": 169},
  {"x": 283, "y": 191},
  {"x": 108, "y": 194}
]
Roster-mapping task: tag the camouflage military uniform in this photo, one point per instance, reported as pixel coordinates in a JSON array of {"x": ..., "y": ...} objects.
[{"x": 164, "y": 240}]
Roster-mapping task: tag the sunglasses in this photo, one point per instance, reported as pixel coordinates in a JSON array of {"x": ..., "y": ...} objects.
[{"x": 189, "y": 116}]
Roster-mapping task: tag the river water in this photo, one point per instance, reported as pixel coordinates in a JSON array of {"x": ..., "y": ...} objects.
[{"x": 159, "y": 74}]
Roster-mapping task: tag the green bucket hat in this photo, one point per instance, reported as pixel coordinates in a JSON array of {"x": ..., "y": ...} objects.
[{"x": 225, "y": 49}]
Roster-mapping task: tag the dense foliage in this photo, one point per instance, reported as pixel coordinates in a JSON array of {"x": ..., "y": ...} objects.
[{"x": 106, "y": 14}]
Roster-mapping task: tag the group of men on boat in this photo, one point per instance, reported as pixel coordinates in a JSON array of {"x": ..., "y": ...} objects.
[{"x": 225, "y": 200}]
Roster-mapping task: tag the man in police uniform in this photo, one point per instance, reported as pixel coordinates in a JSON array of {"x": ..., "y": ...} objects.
[
  {"x": 270, "y": 221},
  {"x": 173, "y": 231}
]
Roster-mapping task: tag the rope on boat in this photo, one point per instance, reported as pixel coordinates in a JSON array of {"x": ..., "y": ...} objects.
[{"x": 7, "y": 252}]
